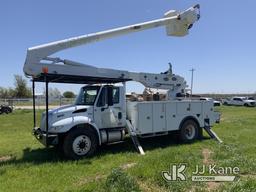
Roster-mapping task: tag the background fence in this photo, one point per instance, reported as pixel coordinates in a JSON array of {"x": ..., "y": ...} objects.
[{"x": 27, "y": 103}]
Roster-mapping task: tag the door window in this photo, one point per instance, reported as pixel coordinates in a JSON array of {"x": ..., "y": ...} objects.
[
  {"x": 102, "y": 98},
  {"x": 116, "y": 95},
  {"x": 102, "y": 101}
]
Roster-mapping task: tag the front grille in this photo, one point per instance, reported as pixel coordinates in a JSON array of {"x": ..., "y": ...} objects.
[{"x": 252, "y": 103}]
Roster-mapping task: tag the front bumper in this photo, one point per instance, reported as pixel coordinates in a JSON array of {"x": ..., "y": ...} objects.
[{"x": 46, "y": 140}]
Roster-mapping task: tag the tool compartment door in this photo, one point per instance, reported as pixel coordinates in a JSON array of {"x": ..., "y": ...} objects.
[
  {"x": 188, "y": 107},
  {"x": 159, "y": 120},
  {"x": 145, "y": 118},
  {"x": 172, "y": 119}
]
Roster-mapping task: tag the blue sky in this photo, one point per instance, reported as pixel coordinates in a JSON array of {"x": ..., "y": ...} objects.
[{"x": 221, "y": 46}]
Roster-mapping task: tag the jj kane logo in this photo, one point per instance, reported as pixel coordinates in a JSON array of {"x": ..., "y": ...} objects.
[{"x": 177, "y": 172}]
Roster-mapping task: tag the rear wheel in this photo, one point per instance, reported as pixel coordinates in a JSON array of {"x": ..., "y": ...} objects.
[
  {"x": 79, "y": 143},
  {"x": 246, "y": 105},
  {"x": 189, "y": 131}
]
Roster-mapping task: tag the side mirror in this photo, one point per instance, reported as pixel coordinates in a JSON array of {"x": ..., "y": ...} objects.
[{"x": 110, "y": 96}]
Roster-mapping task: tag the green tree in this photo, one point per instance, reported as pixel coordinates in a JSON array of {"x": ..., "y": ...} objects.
[
  {"x": 68, "y": 94},
  {"x": 53, "y": 93},
  {"x": 21, "y": 89},
  {"x": 6, "y": 93}
]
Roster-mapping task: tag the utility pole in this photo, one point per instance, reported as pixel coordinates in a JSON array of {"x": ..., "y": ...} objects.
[{"x": 192, "y": 78}]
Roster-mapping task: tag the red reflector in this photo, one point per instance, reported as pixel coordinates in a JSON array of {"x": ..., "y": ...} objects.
[{"x": 45, "y": 69}]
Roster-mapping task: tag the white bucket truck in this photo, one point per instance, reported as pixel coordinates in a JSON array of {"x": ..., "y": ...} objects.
[{"x": 101, "y": 114}]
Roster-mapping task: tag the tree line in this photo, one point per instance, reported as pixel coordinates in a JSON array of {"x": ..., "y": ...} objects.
[{"x": 22, "y": 90}]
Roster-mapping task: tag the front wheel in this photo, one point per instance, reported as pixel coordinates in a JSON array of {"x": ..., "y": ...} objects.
[
  {"x": 189, "y": 131},
  {"x": 79, "y": 143}
]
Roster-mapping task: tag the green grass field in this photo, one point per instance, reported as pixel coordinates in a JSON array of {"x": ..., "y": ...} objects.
[{"x": 25, "y": 165}]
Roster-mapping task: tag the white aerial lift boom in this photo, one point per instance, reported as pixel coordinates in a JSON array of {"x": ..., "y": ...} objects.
[
  {"x": 38, "y": 60},
  {"x": 101, "y": 113}
]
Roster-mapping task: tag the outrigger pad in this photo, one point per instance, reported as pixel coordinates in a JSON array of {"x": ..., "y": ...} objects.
[{"x": 212, "y": 134}]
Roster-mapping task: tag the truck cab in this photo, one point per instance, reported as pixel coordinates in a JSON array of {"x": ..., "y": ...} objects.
[
  {"x": 97, "y": 116},
  {"x": 108, "y": 103}
]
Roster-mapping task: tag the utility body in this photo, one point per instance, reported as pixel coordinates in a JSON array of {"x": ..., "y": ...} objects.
[{"x": 101, "y": 113}]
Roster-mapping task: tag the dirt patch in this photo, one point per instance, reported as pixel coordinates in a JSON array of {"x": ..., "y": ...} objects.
[
  {"x": 211, "y": 186},
  {"x": 207, "y": 156},
  {"x": 222, "y": 118},
  {"x": 127, "y": 166},
  {"x": 84, "y": 181},
  {"x": 5, "y": 158}
]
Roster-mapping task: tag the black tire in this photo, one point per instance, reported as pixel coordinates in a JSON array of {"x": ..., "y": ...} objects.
[
  {"x": 5, "y": 110},
  {"x": 8, "y": 110},
  {"x": 189, "y": 131},
  {"x": 225, "y": 103},
  {"x": 80, "y": 142},
  {"x": 246, "y": 105}
]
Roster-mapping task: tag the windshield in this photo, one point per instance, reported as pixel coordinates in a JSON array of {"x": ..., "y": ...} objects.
[{"x": 87, "y": 95}]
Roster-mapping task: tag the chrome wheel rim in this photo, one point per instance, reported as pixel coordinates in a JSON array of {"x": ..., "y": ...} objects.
[
  {"x": 81, "y": 145},
  {"x": 190, "y": 132}
]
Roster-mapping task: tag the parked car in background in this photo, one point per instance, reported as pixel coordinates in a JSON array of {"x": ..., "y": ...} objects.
[
  {"x": 215, "y": 102},
  {"x": 240, "y": 101},
  {"x": 250, "y": 98},
  {"x": 5, "y": 109}
]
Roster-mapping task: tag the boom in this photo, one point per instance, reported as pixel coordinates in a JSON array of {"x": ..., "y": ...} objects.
[{"x": 38, "y": 63}]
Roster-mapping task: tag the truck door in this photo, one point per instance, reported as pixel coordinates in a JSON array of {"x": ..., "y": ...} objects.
[{"x": 109, "y": 109}]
